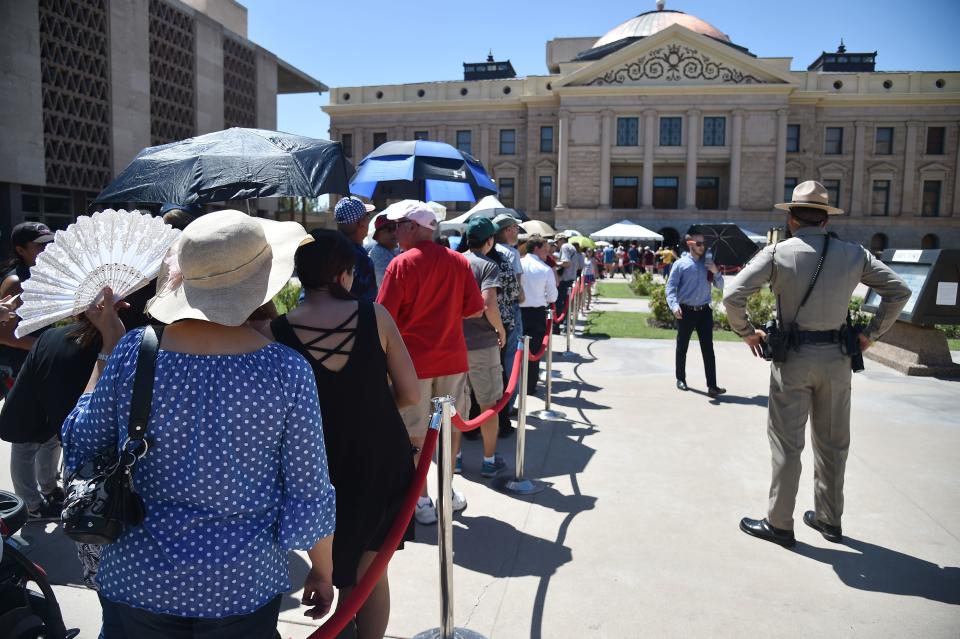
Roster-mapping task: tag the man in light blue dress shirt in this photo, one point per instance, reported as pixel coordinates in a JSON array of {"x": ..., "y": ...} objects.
[{"x": 688, "y": 296}]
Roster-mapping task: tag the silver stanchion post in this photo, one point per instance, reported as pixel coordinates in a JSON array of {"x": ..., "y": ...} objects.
[
  {"x": 518, "y": 484},
  {"x": 571, "y": 310},
  {"x": 547, "y": 413},
  {"x": 441, "y": 419}
]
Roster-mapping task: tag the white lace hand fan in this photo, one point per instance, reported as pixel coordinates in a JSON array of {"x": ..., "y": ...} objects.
[{"x": 120, "y": 249}]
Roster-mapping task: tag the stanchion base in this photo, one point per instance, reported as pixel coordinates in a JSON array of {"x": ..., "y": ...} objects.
[
  {"x": 518, "y": 486},
  {"x": 548, "y": 415},
  {"x": 556, "y": 374},
  {"x": 458, "y": 633}
]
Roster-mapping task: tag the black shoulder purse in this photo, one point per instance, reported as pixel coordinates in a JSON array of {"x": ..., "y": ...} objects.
[{"x": 101, "y": 501}]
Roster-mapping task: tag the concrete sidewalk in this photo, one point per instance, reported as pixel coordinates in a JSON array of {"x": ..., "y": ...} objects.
[{"x": 636, "y": 535}]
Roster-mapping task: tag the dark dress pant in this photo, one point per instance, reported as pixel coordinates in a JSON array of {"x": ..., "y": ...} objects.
[
  {"x": 702, "y": 322},
  {"x": 534, "y": 325}
]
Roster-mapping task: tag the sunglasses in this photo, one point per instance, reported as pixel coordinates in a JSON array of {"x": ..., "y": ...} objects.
[
  {"x": 389, "y": 227},
  {"x": 695, "y": 243}
]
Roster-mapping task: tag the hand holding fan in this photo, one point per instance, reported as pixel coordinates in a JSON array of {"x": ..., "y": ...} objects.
[{"x": 120, "y": 249}]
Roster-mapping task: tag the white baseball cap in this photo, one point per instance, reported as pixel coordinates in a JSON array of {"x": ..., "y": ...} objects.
[{"x": 413, "y": 210}]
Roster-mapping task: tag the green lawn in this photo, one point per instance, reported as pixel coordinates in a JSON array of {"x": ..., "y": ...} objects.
[
  {"x": 616, "y": 290},
  {"x": 954, "y": 344},
  {"x": 625, "y": 324}
]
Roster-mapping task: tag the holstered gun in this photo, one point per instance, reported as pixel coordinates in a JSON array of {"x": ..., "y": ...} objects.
[{"x": 850, "y": 344}]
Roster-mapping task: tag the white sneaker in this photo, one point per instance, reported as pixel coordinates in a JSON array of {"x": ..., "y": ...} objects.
[
  {"x": 425, "y": 513},
  {"x": 459, "y": 501}
]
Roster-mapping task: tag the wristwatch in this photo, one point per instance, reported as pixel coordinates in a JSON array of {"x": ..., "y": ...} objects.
[{"x": 102, "y": 357}]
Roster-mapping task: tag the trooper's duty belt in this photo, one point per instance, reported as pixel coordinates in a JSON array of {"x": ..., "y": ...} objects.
[{"x": 817, "y": 337}]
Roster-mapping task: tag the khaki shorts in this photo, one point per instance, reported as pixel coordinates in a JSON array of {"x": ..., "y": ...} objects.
[
  {"x": 485, "y": 377},
  {"x": 417, "y": 417}
]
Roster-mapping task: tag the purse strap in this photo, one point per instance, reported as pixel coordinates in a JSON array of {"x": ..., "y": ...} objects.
[{"x": 143, "y": 383}]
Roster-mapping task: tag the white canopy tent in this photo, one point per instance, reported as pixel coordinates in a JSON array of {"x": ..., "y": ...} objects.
[
  {"x": 460, "y": 222},
  {"x": 626, "y": 230}
]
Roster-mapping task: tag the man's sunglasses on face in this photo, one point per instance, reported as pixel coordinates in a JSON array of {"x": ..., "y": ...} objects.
[{"x": 695, "y": 243}]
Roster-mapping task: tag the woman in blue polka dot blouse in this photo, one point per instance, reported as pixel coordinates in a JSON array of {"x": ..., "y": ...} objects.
[{"x": 236, "y": 475}]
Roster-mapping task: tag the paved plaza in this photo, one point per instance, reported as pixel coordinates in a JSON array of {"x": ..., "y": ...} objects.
[{"x": 636, "y": 535}]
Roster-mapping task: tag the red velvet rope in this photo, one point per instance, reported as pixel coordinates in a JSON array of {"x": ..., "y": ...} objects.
[
  {"x": 347, "y": 609},
  {"x": 496, "y": 408}
]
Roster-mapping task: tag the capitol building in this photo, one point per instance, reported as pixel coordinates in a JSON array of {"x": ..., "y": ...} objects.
[{"x": 665, "y": 121}]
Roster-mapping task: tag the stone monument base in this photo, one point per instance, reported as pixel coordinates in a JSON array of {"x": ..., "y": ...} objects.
[{"x": 915, "y": 350}]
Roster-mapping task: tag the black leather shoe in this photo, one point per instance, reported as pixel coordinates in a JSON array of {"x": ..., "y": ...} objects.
[
  {"x": 830, "y": 533},
  {"x": 682, "y": 385},
  {"x": 716, "y": 391},
  {"x": 761, "y": 528}
]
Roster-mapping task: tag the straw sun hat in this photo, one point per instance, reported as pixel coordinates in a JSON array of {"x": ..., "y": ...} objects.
[
  {"x": 811, "y": 194},
  {"x": 227, "y": 264}
]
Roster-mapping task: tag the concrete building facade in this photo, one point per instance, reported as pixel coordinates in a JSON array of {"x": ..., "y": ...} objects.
[
  {"x": 666, "y": 122},
  {"x": 87, "y": 84}
]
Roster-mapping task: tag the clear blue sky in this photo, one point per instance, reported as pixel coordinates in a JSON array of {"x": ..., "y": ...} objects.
[{"x": 358, "y": 42}]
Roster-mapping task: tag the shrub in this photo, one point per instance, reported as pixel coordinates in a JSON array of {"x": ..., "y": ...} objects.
[
  {"x": 287, "y": 298},
  {"x": 642, "y": 284},
  {"x": 858, "y": 316},
  {"x": 952, "y": 331},
  {"x": 661, "y": 315}
]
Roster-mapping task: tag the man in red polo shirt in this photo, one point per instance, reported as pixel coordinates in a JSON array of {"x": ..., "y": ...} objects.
[{"x": 429, "y": 290}]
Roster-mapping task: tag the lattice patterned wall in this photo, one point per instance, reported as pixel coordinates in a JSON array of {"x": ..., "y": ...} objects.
[
  {"x": 239, "y": 85},
  {"x": 173, "y": 110},
  {"x": 74, "y": 67}
]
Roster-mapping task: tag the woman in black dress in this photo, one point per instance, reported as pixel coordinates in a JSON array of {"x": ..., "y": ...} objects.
[{"x": 352, "y": 347}]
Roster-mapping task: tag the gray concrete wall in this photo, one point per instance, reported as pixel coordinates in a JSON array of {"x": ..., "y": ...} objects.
[
  {"x": 209, "y": 41},
  {"x": 266, "y": 90},
  {"x": 21, "y": 106},
  {"x": 129, "y": 80}
]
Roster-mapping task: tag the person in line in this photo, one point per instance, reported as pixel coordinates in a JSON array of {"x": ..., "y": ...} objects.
[
  {"x": 814, "y": 381},
  {"x": 354, "y": 345},
  {"x": 667, "y": 257},
  {"x": 33, "y": 465},
  {"x": 429, "y": 290},
  {"x": 539, "y": 292},
  {"x": 567, "y": 273},
  {"x": 485, "y": 336},
  {"x": 633, "y": 255},
  {"x": 589, "y": 277},
  {"x": 353, "y": 220},
  {"x": 508, "y": 233},
  {"x": 688, "y": 296},
  {"x": 236, "y": 474},
  {"x": 385, "y": 247},
  {"x": 609, "y": 259},
  {"x": 649, "y": 261}
]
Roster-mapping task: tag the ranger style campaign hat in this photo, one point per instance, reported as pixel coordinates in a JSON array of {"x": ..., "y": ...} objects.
[{"x": 811, "y": 194}]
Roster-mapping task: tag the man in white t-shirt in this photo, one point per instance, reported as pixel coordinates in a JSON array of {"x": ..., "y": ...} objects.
[{"x": 540, "y": 291}]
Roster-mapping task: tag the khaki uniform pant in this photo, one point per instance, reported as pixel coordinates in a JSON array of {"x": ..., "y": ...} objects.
[{"x": 814, "y": 382}]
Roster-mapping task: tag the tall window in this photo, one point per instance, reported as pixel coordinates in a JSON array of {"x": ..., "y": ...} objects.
[
  {"x": 508, "y": 141},
  {"x": 833, "y": 141},
  {"x": 880, "y": 201},
  {"x": 546, "y": 193},
  {"x": 666, "y": 192},
  {"x": 346, "y": 140},
  {"x": 930, "y": 241},
  {"x": 708, "y": 193},
  {"x": 627, "y": 131},
  {"x": 935, "y": 139},
  {"x": 625, "y": 192},
  {"x": 931, "y": 198},
  {"x": 421, "y": 135},
  {"x": 833, "y": 192},
  {"x": 884, "y": 142},
  {"x": 671, "y": 131},
  {"x": 51, "y": 206},
  {"x": 878, "y": 243},
  {"x": 506, "y": 192},
  {"x": 789, "y": 184},
  {"x": 465, "y": 141},
  {"x": 714, "y": 131},
  {"x": 793, "y": 138},
  {"x": 546, "y": 139},
  {"x": 379, "y": 138}
]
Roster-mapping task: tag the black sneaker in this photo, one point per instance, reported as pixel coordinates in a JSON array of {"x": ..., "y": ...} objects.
[
  {"x": 44, "y": 512},
  {"x": 56, "y": 497}
]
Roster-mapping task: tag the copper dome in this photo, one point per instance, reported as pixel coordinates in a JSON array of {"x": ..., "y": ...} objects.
[{"x": 651, "y": 22}]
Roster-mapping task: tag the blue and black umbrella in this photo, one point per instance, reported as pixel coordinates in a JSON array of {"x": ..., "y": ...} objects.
[
  {"x": 421, "y": 170},
  {"x": 235, "y": 164}
]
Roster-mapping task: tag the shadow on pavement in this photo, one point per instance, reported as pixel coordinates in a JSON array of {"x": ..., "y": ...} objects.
[
  {"x": 298, "y": 572},
  {"x": 56, "y": 553},
  {"x": 877, "y": 569}
]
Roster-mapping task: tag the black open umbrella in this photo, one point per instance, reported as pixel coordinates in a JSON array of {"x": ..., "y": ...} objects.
[
  {"x": 728, "y": 243},
  {"x": 234, "y": 164}
]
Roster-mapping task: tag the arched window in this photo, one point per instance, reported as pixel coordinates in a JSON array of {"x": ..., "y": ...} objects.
[
  {"x": 671, "y": 236},
  {"x": 878, "y": 242},
  {"x": 930, "y": 241}
]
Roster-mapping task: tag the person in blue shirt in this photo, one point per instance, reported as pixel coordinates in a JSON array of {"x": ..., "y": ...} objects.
[
  {"x": 688, "y": 296},
  {"x": 353, "y": 219}
]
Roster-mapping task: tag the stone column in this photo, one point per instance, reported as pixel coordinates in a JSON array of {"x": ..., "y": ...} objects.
[
  {"x": 209, "y": 55},
  {"x": 485, "y": 146},
  {"x": 856, "y": 201},
  {"x": 780, "y": 167},
  {"x": 358, "y": 153},
  {"x": 736, "y": 149},
  {"x": 693, "y": 144},
  {"x": 129, "y": 68},
  {"x": 606, "y": 142},
  {"x": 563, "y": 159},
  {"x": 909, "y": 167},
  {"x": 649, "y": 131},
  {"x": 956, "y": 183}
]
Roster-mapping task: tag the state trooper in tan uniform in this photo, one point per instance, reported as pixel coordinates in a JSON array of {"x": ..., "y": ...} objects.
[{"x": 814, "y": 379}]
